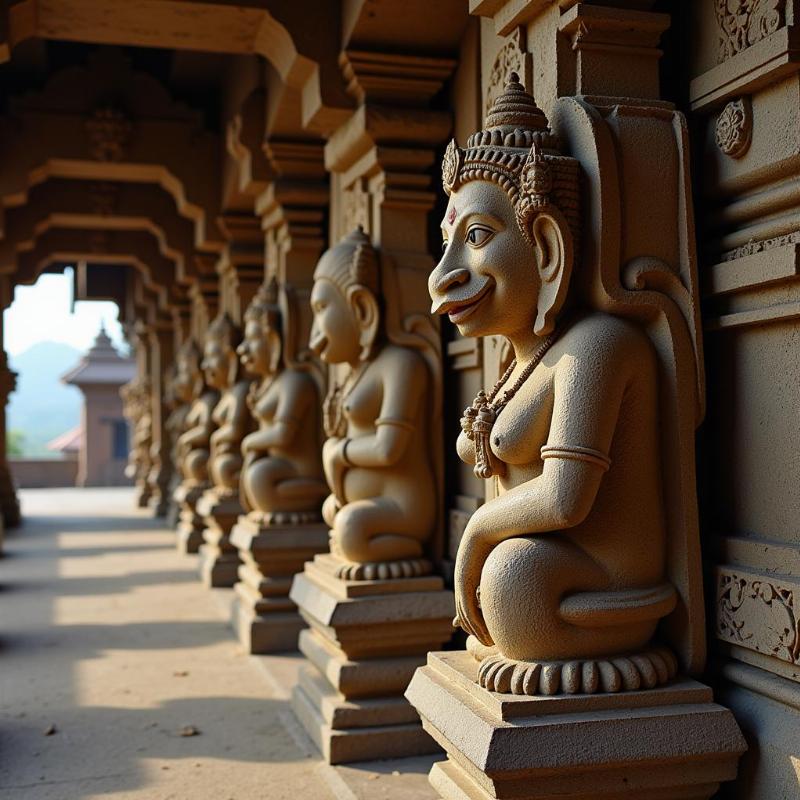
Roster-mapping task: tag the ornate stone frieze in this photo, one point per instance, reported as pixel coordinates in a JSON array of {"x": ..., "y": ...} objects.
[
  {"x": 742, "y": 23},
  {"x": 758, "y": 612},
  {"x": 734, "y": 129},
  {"x": 751, "y": 248}
]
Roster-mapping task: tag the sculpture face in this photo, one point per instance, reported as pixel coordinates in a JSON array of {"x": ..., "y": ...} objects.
[
  {"x": 215, "y": 364},
  {"x": 487, "y": 279},
  {"x": 335, "y": 334},
  {"x": 257, "y": 350}
]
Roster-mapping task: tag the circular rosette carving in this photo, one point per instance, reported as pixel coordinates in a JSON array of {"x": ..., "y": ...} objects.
[
  {"x": 735, "y": 128},
  {"x": 451, "y": 164}
]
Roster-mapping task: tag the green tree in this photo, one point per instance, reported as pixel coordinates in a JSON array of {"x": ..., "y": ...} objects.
[{"x": 15, "y": 443}]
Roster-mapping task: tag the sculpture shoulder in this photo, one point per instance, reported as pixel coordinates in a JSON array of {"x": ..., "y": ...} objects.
[
  {"x": 295, "y": 379},
  {"x": 407, "y": 359},
  {"x": 603, "y": 342}
]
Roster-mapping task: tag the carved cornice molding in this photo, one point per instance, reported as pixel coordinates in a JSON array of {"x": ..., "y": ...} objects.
[
  {"x": 614, "y": 29},
  {"x": 394, "y": 79}
]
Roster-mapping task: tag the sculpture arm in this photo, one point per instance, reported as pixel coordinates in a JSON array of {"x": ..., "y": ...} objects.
[
  {"x": 405, "y": 382},
  {"x": 296, "y": 393},
  {"x": 280, "y": 433}
]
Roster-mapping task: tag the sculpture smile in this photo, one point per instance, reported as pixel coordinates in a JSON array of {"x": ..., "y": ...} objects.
[{"x": 459, "y": 310}]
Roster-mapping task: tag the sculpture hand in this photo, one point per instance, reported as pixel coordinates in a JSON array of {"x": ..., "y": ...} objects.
[
  {"x": 334, "y": 466},
  {"x": 469, "y": 564}
]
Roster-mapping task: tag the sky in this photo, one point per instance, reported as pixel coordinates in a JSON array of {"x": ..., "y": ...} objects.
[{"x": 42, "y": 312}]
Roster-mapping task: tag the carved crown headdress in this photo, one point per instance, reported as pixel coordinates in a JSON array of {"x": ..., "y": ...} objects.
[
  {"x": 222, "y": 329},
  {"x": 518, "y": 151},
  {"x": 264, "y": 307},
  {"x": 352, "y": 261}
]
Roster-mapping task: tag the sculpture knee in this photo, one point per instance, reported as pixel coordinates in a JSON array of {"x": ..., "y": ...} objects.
[
  {"x": 227, "y": 468},
  {"x": 522, "y": 583},
  {"x": 352, "y": 534},
  {"x": 260, "y": 481},
  {"x": 196, "y": 465}
]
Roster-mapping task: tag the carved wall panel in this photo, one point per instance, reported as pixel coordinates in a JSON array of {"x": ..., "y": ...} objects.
[
  {"x": 743, "y": 23},
  {"x": 759, "y": 612}
]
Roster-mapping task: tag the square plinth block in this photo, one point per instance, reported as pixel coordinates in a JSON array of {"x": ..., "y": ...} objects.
[
  {"x": 364, "y": 641},
  {"x": 190, "y": 523},
  {"x": 668, "y": 743},
  {"x": 265, "y": 619},
  {"x": 219, "y": 559},
  {"x": 345, "y": 731}
]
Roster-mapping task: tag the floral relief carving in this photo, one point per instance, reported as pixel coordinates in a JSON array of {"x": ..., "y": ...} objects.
[
  {"x": 109, "y": 131},
  {"x": 511, "y": 58},
  {"x": 758, "y": 614},
  {"x": 355, "y": 208},
  {"x": 744, "y": 22},
  {"x": 734, "y": 130}
]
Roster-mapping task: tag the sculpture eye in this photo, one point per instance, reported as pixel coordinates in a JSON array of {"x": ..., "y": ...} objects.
[
  {"x": 478, "y": 235},
  {"x": 444, "y": 244}
]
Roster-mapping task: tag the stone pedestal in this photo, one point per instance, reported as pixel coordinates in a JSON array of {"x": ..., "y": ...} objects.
[
  {"x": 365, "y": 640},
  {"x": 190, "y": 523},
  {"x": 264, "y": 617},
  {"x": 219, "y": 559},
  {"x": 668, "y": 743}
]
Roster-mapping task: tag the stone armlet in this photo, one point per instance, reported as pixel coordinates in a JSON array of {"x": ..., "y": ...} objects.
[{"x": 575, "y": 453}]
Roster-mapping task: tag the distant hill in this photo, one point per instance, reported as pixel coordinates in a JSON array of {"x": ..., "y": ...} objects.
[{"x": 41, "y": 407}]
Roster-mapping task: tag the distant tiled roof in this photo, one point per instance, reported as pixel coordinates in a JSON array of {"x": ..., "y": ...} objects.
[
  {"x": 69, "y": 442},
  {"x": 101, "y": 365}
]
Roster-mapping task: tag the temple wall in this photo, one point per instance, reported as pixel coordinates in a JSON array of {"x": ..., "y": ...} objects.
[{"x": 743, "y": 95}]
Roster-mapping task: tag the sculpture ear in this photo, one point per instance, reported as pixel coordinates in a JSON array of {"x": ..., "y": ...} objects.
[
  {"x": 233, "y": 368},
  {"x": 367, "y": 315},
  {"x": 275, "y": 346},
  {"x": 554, "y": 255}
]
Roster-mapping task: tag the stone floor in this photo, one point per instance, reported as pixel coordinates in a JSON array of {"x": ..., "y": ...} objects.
[{"x": 120, "y": 678}]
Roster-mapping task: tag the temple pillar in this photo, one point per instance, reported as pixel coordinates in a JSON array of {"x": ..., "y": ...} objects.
[
  {"x": 274, "y": 547},
  {"x": 536, "y": 706},
  {"x": 137, "y": 407},
  {"x": 161, "y": 343},
  {"x": 366, "y": 638}
]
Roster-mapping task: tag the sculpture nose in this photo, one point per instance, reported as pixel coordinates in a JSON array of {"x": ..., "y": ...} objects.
[{"x": 440, "y": 283}]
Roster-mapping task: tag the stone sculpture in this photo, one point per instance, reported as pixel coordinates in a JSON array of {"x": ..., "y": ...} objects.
[
  {"x": 561, "y": 580},
  {"x": 282, "y": 479},
  {"x": 178, "y": 396},
  {"x": 220, "y": 504},
  {"x": 193, "y": 445},
  {"x": 372, "y": 606},
  {"x": 578, "y": 581},
  {"x": 282, "y": 484},
  {"x": 136, "y": 409},
  {"x": 377, "y": 458}
]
